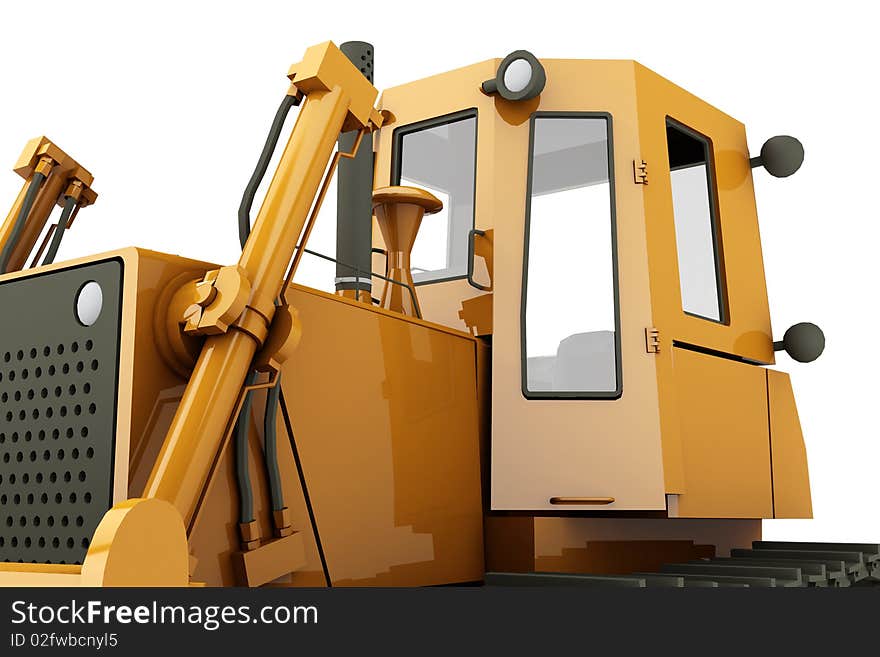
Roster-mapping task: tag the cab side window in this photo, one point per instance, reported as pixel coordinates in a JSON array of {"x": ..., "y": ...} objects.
[
  {"x": 697, "y": 237},
  {"x": 439, "y": 155}
]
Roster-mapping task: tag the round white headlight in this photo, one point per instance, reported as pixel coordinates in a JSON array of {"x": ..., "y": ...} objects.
[
  {"x": 517, "y": 75},
  {"x": 89, "y": 303}
]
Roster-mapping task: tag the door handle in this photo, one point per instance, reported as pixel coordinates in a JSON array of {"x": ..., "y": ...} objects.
[
  {"x": 470, "y": 269},
  {"x": 593, "y": 501}
]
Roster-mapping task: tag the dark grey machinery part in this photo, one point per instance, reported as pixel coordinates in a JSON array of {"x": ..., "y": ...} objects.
[
  {"x": 814, "y": 573},
  {"x": 354, "y": 193},
  {"x": 242, "y": 460},
  {"x": 870, "y": 551},
  {"x": 250, "y": 191},
  {"x": 533, "y": 88},
  {"x": 29, "y": 197},
  {"x": 781, "y": 156},
  {"x": 270, "y": 445},
  {"x": 808, "y": 568},
  {"x": 654, "y": 580},
  {"x": 58, "y": 400},
  {"x": 852, "y": 560},
  {"x": 69, "y": 207},
  {"x": 804, "y": 342},
  {"x": 470, "y": 266},
  {"x": 692, "y": 581},
  {"x": 752, "y": 581},
  {"x": 772, "y": 564},
  {"x": 860, "y": 561},
  {"x": 781, "y": 575},
  {"x": 562, "y": 579},
  {"x": 490, "y": 86}
]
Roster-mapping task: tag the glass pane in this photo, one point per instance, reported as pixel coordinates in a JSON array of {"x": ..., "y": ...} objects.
[
  {"x": 442, "y": 160},
  {"x": 571, "y": 345},
  {"x": 695, "y": 238}
]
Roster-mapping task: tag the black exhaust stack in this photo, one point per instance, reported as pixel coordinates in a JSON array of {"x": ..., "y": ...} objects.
[{"x": 354, "y": 239}]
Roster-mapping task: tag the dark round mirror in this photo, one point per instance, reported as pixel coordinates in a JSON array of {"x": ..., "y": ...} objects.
[
  {"x": 782, "y": 155},
  {"x": 804, "y": 342}
]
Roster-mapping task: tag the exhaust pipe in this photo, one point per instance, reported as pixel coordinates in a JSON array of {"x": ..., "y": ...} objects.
[{"x": 354, "y": 225}]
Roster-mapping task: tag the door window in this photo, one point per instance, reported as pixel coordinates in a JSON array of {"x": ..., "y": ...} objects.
[{"x": 570, "y": 332}]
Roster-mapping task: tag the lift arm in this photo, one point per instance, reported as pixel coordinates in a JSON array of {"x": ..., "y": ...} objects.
[
  {"x": 50, "y": 176},
  {"x": 238, "y": 302}
]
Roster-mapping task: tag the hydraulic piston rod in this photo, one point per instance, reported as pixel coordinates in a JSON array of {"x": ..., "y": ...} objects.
[{"x": 337, "y": 97}]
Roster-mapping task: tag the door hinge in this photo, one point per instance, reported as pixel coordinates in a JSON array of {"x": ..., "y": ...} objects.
[
  {"x": 640, "y": 172},
  {"x": 652, "y": 340}
]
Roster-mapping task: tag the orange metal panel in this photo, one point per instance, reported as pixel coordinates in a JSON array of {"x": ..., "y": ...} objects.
[
  {"x": 747, "y": 333},
  {"x": 722, "y": 408},
  {"x": 791, "y": 477},
  {"x": 385, "y": 417}
]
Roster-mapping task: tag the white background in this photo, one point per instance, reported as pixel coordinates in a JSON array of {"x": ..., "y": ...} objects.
[{"x": 168, "y": 103}]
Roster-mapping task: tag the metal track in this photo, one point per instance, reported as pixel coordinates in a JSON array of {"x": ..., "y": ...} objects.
[{"x": 768, "y": 564}]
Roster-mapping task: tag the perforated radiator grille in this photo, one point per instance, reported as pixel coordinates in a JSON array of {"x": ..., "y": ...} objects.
[{"x": 58, "y": 388}]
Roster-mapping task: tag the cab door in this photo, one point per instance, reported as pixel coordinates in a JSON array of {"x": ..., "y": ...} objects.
[{"x": 575, "y": 419}]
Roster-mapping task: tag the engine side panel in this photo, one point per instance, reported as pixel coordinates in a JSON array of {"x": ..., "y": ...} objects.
[{"x": 385, "y": 418}]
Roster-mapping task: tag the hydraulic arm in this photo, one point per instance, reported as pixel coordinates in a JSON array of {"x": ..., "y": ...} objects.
[
  {"x": 50, "y": 176},
  {"x": 237, "y": 303}
]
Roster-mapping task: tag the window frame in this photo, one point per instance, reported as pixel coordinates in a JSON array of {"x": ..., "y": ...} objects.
[
  {"x": 714, "y": 218},
  {"x": 397, "y": 161},
  {"x": 612, "y": 191}
]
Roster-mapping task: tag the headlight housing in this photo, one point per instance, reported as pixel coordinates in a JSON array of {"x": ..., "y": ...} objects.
[{"x": 520, "y": 77}]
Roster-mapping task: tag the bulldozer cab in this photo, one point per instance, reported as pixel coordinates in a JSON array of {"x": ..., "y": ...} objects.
[{"x": 601, "y": 232}]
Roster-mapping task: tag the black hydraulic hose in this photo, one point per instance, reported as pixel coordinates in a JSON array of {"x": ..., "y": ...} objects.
[
  {"x": 270, "y": 445},
  {"x": 69, "y": 206},
  {"x": 29, "y": 198},
  {"x": 246, "y": 494},
  {"x": 247, "y": 199},
  {"x": 242, "y": 462}
]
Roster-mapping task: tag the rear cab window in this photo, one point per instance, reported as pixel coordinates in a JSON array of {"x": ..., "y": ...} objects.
[{"x": 697, "y": 237}]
